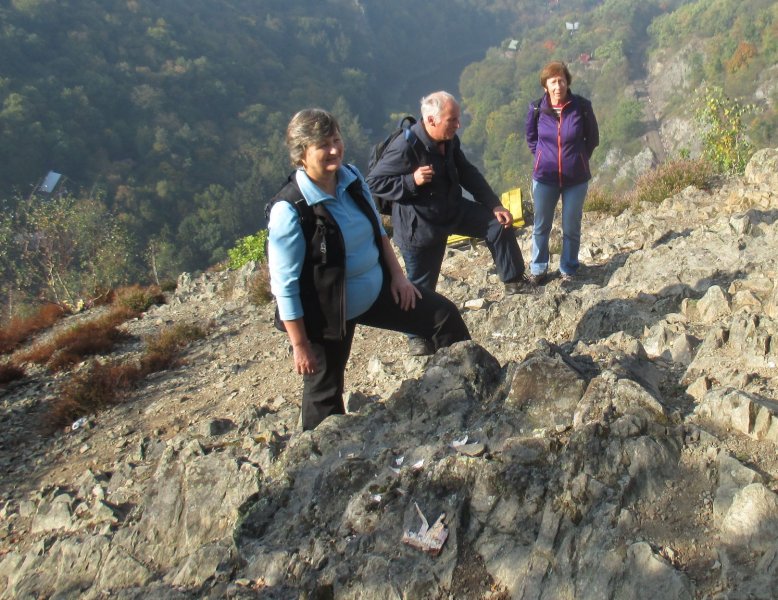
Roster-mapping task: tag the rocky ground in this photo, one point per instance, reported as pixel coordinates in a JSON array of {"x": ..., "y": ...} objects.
[{"x": 615, "y": 438}]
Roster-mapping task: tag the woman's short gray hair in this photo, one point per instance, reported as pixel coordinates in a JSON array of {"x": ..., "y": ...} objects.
[
  {"x": 309, "y": 127},
  {"x": 433, "y": 104}
]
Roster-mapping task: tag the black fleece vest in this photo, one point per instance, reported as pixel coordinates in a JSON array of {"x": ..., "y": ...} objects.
[{"x": 323, "y": 275}]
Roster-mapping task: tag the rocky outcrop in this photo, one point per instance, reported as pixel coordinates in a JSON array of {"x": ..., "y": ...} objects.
[{"x": 612, "y": 438}]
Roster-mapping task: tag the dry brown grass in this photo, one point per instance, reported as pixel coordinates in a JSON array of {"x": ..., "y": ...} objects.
[
  {"x": 259, "y": 287},
  {"x": 94, "y": 389},
  {"x": 653, "y": 186},
  {"x": 162, "y": 350},
  {"x": 671, "y": 178},
  {"x": 21, "y": 329},
  {"x": 73, "y": 345},
  {"x": 599, "y": 199},
  {"x": 95, "y": 337},
  {"x": 102, "y": 385},
  {"x": 10, "y": 372},
  {"x": 138, "y": 298}
]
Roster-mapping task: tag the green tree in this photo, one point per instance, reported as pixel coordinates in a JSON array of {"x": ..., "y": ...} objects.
[
  {"x": 723, "y": 136},
  {"x": 66, "y": 249},
  {"x": 625, "y": 123}
]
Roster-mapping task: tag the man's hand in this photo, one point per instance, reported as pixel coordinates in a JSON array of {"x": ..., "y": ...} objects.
[
  {"x": 423, "y": 175},
  {"x": 504, "y": 216}
]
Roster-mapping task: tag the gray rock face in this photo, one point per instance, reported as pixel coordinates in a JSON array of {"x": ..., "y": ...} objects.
[
  {"x": 610, "y": 439},
  {"x": 495, "y": 504}
]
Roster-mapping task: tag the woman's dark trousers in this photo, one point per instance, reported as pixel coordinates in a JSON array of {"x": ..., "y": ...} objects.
[{"x": 434, "y": 318}]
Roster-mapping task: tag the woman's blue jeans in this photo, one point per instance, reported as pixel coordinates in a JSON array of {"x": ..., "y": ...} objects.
[{"x": 545, "y": 198}]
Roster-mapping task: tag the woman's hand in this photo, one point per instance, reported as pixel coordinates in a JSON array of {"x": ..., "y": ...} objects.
[
  {"x": 304, "y": 359},
  {"x": 305, "y": 362},
  {"x": 404, "y": 292}
]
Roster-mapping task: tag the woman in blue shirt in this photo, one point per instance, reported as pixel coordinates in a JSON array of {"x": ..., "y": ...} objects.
[{"x": 345, "y": 274}]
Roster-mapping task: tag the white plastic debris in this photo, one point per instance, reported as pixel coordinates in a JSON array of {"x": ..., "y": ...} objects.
[
  {"x": 428, "y": 539},
  {"x": 461, "y": 442},
  {"x": 78, "y": 423}
]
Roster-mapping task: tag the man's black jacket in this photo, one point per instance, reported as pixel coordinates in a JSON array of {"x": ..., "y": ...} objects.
[{"x": 427, "y": 214}]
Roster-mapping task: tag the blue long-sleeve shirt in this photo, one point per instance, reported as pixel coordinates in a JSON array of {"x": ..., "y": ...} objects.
[{"x": 286, "y": 247}]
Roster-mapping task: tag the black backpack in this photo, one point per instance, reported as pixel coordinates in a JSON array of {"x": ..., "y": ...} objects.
[{"x": 385, "y": 206}]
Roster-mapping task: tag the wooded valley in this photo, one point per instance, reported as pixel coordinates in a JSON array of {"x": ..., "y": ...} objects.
[{"x": 166, "y": 120}]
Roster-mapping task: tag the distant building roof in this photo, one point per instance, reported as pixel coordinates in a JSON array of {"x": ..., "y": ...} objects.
[
  {"x": 513, "y": 45},
  {"x": 49, "y": 182}
]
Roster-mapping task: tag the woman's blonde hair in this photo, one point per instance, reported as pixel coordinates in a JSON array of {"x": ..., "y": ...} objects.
[{"x": 309, "y": 127}]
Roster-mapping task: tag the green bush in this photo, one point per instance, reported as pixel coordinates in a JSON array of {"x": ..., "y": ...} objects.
[
  {"x": 251, "y": 247},
  {"x": 724, "y": 141},
  {"x": 626, "y": 123},
  {"x": 65, "y": 249}
]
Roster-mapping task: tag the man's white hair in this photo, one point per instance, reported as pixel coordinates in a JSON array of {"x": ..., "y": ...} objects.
[{"x": 432, "y": 104}]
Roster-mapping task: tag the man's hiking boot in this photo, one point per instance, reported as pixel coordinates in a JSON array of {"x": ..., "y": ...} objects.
[
  {"x": 419, "y": 347},
  {"x": 519, "y": 286}
]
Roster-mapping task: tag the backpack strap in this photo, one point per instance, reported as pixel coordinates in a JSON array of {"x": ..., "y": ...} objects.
[
  {"x": 411, "y": 138},
  {"x": 291, "y": 193},
  {"x": 536, "y": 108}
]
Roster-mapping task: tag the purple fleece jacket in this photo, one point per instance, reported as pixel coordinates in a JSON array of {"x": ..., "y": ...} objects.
[{"x": 562, "y": 144}]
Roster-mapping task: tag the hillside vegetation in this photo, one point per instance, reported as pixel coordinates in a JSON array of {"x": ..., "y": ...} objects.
[
  {"x": 735, "y": 50},
  {"x": 172, "y": 113},
  {"x": 167, "y": 118}
]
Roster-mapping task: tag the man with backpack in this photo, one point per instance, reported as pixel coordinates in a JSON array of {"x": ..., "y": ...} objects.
[{"x": 422, "y": 175}]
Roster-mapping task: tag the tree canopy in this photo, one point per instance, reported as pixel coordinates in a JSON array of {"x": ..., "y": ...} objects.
[
  {"x": 168, "y": 118},
  {"x": 176, "y": 110}
]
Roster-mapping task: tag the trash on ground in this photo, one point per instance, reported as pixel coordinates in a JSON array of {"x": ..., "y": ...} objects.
[
  {"x": 428, "y": 539},
  {"x": 78, "y": 423},
  {"x": 461, "y": 442}
]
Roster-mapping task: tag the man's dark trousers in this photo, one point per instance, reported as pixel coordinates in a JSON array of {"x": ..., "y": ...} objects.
[{"x": 422, "y": 265}]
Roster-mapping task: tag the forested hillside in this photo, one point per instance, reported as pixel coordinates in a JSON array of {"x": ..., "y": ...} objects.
[
  {"x": 167, "y": 118},
  {"x": 172, "y": 113},
  {"x": 735, "y": 48}
]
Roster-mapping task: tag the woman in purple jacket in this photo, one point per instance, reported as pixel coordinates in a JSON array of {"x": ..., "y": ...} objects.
[{"x": 561, "y": 133}]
